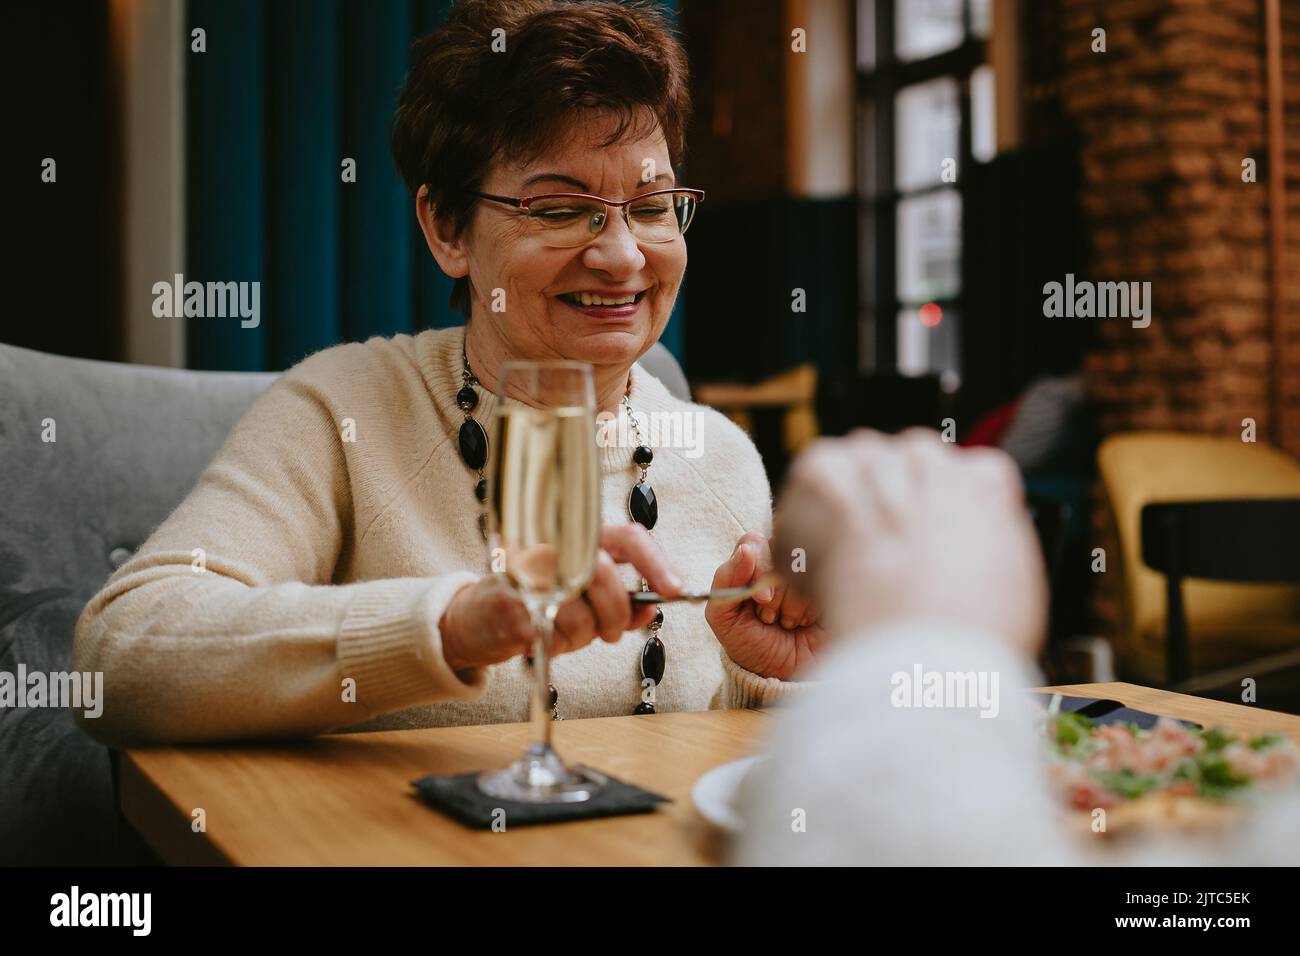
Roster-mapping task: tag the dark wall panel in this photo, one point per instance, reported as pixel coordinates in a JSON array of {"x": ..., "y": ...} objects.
[{"x": 64, "y": 239}]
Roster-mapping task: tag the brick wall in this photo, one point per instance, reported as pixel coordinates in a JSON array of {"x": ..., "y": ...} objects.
[
  {"x": 1291, "y": 345},
  {"x": 1166, "y": 115}
]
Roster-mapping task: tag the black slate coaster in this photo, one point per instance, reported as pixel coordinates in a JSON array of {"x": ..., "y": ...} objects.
[{"x": 460, "y": 798}]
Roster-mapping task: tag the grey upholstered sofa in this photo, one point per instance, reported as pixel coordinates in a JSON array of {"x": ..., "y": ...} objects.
[{"x": 129, "y": 443}]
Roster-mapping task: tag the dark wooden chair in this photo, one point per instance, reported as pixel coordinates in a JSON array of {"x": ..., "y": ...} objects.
[
  {"x": 1051, "y": 517},
  {"x": 1245, "y": 541}
]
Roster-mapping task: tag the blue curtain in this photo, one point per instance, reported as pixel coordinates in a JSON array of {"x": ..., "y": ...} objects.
[
  {"x": 285, "y": 91},
  {"x": 225, "y": 187}
]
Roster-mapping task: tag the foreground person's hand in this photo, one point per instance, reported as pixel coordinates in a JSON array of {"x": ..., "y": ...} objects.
[
  {"x": 772, "y": 634},
  {"x": 909, "y": 528},
  {"x": 487, "y": 623}
]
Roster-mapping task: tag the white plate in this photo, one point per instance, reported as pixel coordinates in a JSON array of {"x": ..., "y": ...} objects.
[{"x": 715, "y": 793}]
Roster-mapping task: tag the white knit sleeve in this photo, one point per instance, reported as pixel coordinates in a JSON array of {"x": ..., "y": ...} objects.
[{"x": 860, "y": 774}]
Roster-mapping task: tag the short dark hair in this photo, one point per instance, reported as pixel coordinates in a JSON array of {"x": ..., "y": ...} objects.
[{"x": 463, "y": 105}]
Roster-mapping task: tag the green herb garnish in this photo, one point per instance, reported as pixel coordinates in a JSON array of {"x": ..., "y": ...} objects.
[
  {"x": 1215, "y": 739},
  {"x": 1071, "y": 729},
  {"x": 1128, "y": 784}
]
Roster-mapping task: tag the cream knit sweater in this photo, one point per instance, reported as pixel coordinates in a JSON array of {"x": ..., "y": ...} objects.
[{"x": 324, "y": 560}]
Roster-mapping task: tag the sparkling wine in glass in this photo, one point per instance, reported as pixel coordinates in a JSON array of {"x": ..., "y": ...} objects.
[{"x": 544, "y": 520}]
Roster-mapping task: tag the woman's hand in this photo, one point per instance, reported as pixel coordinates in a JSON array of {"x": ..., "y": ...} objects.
[
  {"x": 486, "y": 622},
  {"x": 772, "y": 634}
]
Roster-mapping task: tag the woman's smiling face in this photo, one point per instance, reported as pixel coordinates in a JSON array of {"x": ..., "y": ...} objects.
[{"x": 500, "y": 251}]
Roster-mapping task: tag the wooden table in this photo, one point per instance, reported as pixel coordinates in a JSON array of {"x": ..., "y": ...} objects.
[{"x": 346, "y": 798}]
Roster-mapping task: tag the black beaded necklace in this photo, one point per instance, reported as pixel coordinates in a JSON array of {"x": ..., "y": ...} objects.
[
  {"x": 642, "y": 507},
  {"x": 473, "y": 442}
]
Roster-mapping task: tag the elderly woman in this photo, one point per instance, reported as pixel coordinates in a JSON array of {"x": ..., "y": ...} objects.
[{"x": 329, "y": 571}]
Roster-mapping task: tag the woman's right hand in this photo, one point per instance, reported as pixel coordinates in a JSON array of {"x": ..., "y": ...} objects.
[{"x": 486, "y": 622}]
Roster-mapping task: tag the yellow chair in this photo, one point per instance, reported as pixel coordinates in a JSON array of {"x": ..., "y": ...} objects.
[{"x": 1226, "y": 623}]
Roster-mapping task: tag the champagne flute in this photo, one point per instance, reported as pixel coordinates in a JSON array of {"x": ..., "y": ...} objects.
[{"x": 544, "y": 521}]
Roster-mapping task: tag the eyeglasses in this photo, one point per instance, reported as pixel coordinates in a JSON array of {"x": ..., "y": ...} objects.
[{"x": 564, "y": 220}]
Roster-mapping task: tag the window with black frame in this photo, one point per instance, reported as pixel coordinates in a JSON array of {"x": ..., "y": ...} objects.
[{"x": 925, "y": 112}]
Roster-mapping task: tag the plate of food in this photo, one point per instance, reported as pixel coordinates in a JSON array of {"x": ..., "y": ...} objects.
[{"x": 1171, "y": 775}]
